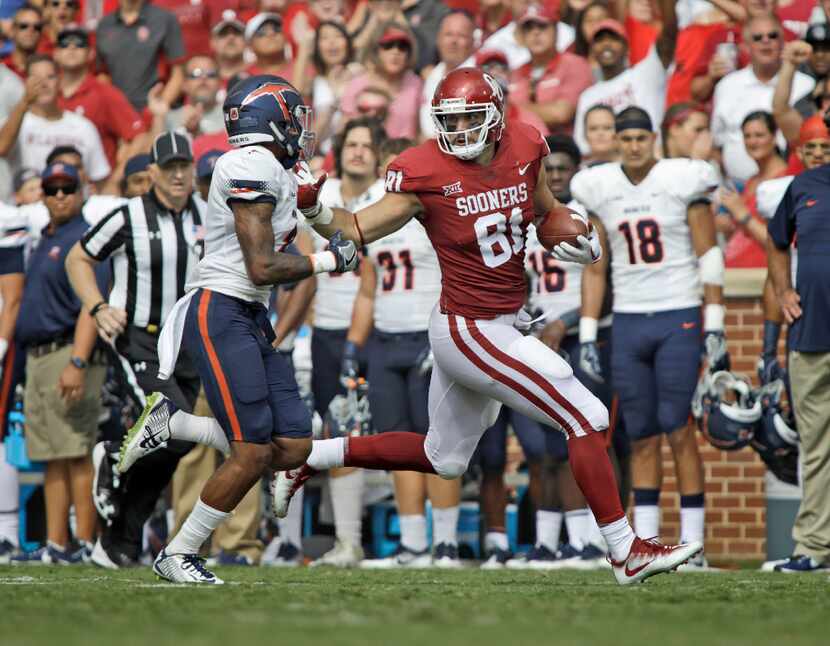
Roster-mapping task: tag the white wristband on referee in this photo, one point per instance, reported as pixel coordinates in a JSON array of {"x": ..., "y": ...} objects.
[
  {"x": 588, "y": 329},
  {"x": 323, "y": 262},
  {"x": 324, "y": 215},
  {"x": 714, "y": 315}
]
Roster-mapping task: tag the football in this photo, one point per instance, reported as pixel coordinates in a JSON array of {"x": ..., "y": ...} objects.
[{"x": 562, "y": 225}]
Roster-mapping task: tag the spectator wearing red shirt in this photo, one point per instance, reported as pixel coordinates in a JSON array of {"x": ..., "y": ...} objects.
[
  {"x": 550, "y": 84},
  {"x": 492, "y": 16},
  {"x": 303, "y": 18},
  {"x": 640, "y": 28},
  {"x": 102, "y": 103},
  {"x": 227, "y": 41},
  {"x": 264, "y": 35},
  {"x": 194, "y": 18},
  {"x": 26, "y": 30},
  {"x": 495, "y": 63}
]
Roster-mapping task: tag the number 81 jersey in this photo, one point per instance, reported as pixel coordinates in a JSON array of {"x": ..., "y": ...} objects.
[
  {"x": 653, "y": 264},
  {"x": 476, "y": 217}
]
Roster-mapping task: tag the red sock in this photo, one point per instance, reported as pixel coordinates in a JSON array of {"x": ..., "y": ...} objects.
[
  {"x": 595, "y": 476},
  {"x": 395, "y": 451}
]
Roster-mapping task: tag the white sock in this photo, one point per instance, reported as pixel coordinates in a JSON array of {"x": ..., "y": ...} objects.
[
  {"x": 413, "y": 532},
  {"x": 291, "y": 527},
  {"x": 691, "y": 524},
  {"x": 445, "y": 525},
  {"x": 577, "y": 523},
  {"x": 202, "y": 430},
  {"x": 496, "y": 541},
  {"x": 619, "y": 536},
  {"x": 199, "y": 525},
  {"x": 327, "y": 454},
  {"x": 548, "y": 528},
  {"x": 9, "y": 500},
  {"x": 347, "y": 504},
  {"x": 595, "y": 536},
  {"x": 647, "y": 520}
]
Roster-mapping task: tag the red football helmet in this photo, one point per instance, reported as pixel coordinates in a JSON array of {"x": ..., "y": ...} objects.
[{"x": 468, "y": 90}]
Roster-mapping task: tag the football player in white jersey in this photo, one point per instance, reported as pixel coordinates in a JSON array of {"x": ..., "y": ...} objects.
[
  {"x": 814, "y": 151},
  {"x": 655, "y": 219},
  {"x": 222, "y": 321},
  {"x": 357, "y": 162}
]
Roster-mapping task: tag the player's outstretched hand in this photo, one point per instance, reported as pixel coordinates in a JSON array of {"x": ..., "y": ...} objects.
[
  {"x": 308, "y": 191},
  {"x": 588, "y": 251},
  {"x": 717, "y": 356},
  {"x": 589, "y": 361},
  {"x": 345, "y": 253}
]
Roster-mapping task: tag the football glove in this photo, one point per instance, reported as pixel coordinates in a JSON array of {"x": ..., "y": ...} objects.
[
  {"x": 588, "y": 251},
  {"x": 589, "y": 361},
  {"x": 717, "y": 356},
  {"x": 308, "y": 191},
  {"x": 345, "y": 253}
]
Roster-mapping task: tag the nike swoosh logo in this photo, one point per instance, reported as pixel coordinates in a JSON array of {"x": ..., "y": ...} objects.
[
  {"x": 811, "y": 202},
  {"x": 688, "y": 326},
  {"x": 636, "y": 569},
  {"x": 524, "y": 168}
]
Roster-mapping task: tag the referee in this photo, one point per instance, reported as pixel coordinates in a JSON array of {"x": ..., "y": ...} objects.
[{"x": 154, "y": 243}]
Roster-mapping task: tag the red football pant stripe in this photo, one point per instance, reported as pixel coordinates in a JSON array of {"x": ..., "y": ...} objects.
[{"x": 594, "y": 474}]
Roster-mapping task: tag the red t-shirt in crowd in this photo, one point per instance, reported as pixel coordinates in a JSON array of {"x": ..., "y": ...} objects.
[
  {"x": 108, "y": 109},
  {"x": 641, "y": 36}
]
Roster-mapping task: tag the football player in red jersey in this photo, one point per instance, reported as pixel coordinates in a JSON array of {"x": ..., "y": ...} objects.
[{"x": 475, "y": 190}]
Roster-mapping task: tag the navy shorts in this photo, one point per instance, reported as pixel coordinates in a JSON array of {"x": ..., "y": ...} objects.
[
  {"x": 326, "y": 358},
  {"x": 655, "y": 365},
  {"x": 250, "y": 387},
  {"x": 492, "y": 447},
  {"x": 398, "y": 395}
]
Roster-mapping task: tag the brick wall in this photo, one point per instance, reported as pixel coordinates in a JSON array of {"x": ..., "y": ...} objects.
[{"x": 735, "y": 501}]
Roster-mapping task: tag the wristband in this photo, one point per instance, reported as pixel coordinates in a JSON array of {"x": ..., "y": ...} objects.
[
  {"x": 4, "y": 347},
  {"x": 97, "y": 308},
  {"x": 322, "y": 262},
  {"x": 713, "y": 317},
  {"x": 79, "y": 363},
  {"x": 588, "y": 329},
  {"x": 323, "y": 215}
]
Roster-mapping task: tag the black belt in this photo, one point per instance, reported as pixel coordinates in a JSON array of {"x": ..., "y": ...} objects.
[
  {"x": 42, "y": 349},
  {"x": 400, "y": 336}
]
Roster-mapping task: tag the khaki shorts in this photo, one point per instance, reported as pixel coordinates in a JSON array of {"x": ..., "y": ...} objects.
[{"x": 53, "y": 430}]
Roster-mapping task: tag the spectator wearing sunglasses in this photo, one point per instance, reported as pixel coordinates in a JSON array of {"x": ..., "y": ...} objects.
[
  {"x": 57, "y": 16},
  {"x": 389, "y": 66},
  {"x": 26, "y": 30},
  {"x": 751, "y": 89},
  {"x": 264, "y": 36},
  {"x": 201, "y": 112},
  {"x": 227, "y": 42},
  {"x": 117, "y": 122}
]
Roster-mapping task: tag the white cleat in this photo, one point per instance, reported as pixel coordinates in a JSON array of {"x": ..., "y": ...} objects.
[
  {"x": 648, "y": 557},
  {"x": 150, "y": 433},
  {"x": 445, "y": 557},
  {"x": 698, "y": 564},
  {"x": 402, "y": 558},
  {"x": 285, "y": 484},
  {"x": 184, "y": 568},
  {"x": 342, "y": 555}
]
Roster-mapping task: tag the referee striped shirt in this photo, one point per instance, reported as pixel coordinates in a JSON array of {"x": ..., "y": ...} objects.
[{"x": 153, "y": 252}]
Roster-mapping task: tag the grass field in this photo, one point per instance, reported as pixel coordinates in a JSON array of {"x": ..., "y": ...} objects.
[{"x": 84, "y": 606}]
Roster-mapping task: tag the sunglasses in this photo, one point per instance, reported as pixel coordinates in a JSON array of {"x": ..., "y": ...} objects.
[
  {"x": 199, "y": 73},
  {"x": 72, "y": 41},
  {"x": 26, "y": 26},
  {"x": 770, "y": 35},
  {"x": 268, "y": 29},
  {"x": 400, "y": 45},
  {"x": 71, "y": 4},
  {"x": 52, "y": 191}
]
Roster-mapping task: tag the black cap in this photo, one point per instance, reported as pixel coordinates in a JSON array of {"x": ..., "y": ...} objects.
[
  {"x": 170, "y": 146},
  {"x": 75, "y": 32},
  {"x": 818, "y": 34}
]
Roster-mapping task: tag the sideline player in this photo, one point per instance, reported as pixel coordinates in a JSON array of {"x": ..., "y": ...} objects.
[
  {"x": 655, "y": 218},
  {"x": 222, "y": 322},
  {"x": 475, "y": 190}
]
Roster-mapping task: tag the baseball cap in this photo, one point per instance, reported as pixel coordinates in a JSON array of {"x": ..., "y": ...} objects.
[
  {"x": 170, "y": 146},
  {"x": 539, "y": 13},
  {"x": 136, "y": 164},
  {"x": 260, "y": 19},
  {"x": 609, "y": 24},
  {"x": 818, "y": 34},
  {"x": 22, "y": 176},
  {"x": 489, "y": 56},
  {"x": 394, "y": 35},
  {"x": 59, "y": 170},
  {"x": 207, "y": 162},
  {"x": 72, "y": 31},
  {"x": 813, "y": 128},
  {"x": 229, "y": 19}
]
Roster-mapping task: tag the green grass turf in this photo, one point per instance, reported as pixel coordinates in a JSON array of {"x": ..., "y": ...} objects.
[{"x": 84, "y": 606}]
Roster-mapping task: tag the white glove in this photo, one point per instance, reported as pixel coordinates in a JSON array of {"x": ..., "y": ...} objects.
[{"x": 588, "y": 251}]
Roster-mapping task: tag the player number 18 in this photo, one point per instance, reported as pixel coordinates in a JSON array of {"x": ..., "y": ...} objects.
[
  {"x": 647, "y": 241},
  {"x": 491, "y": 232}
]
